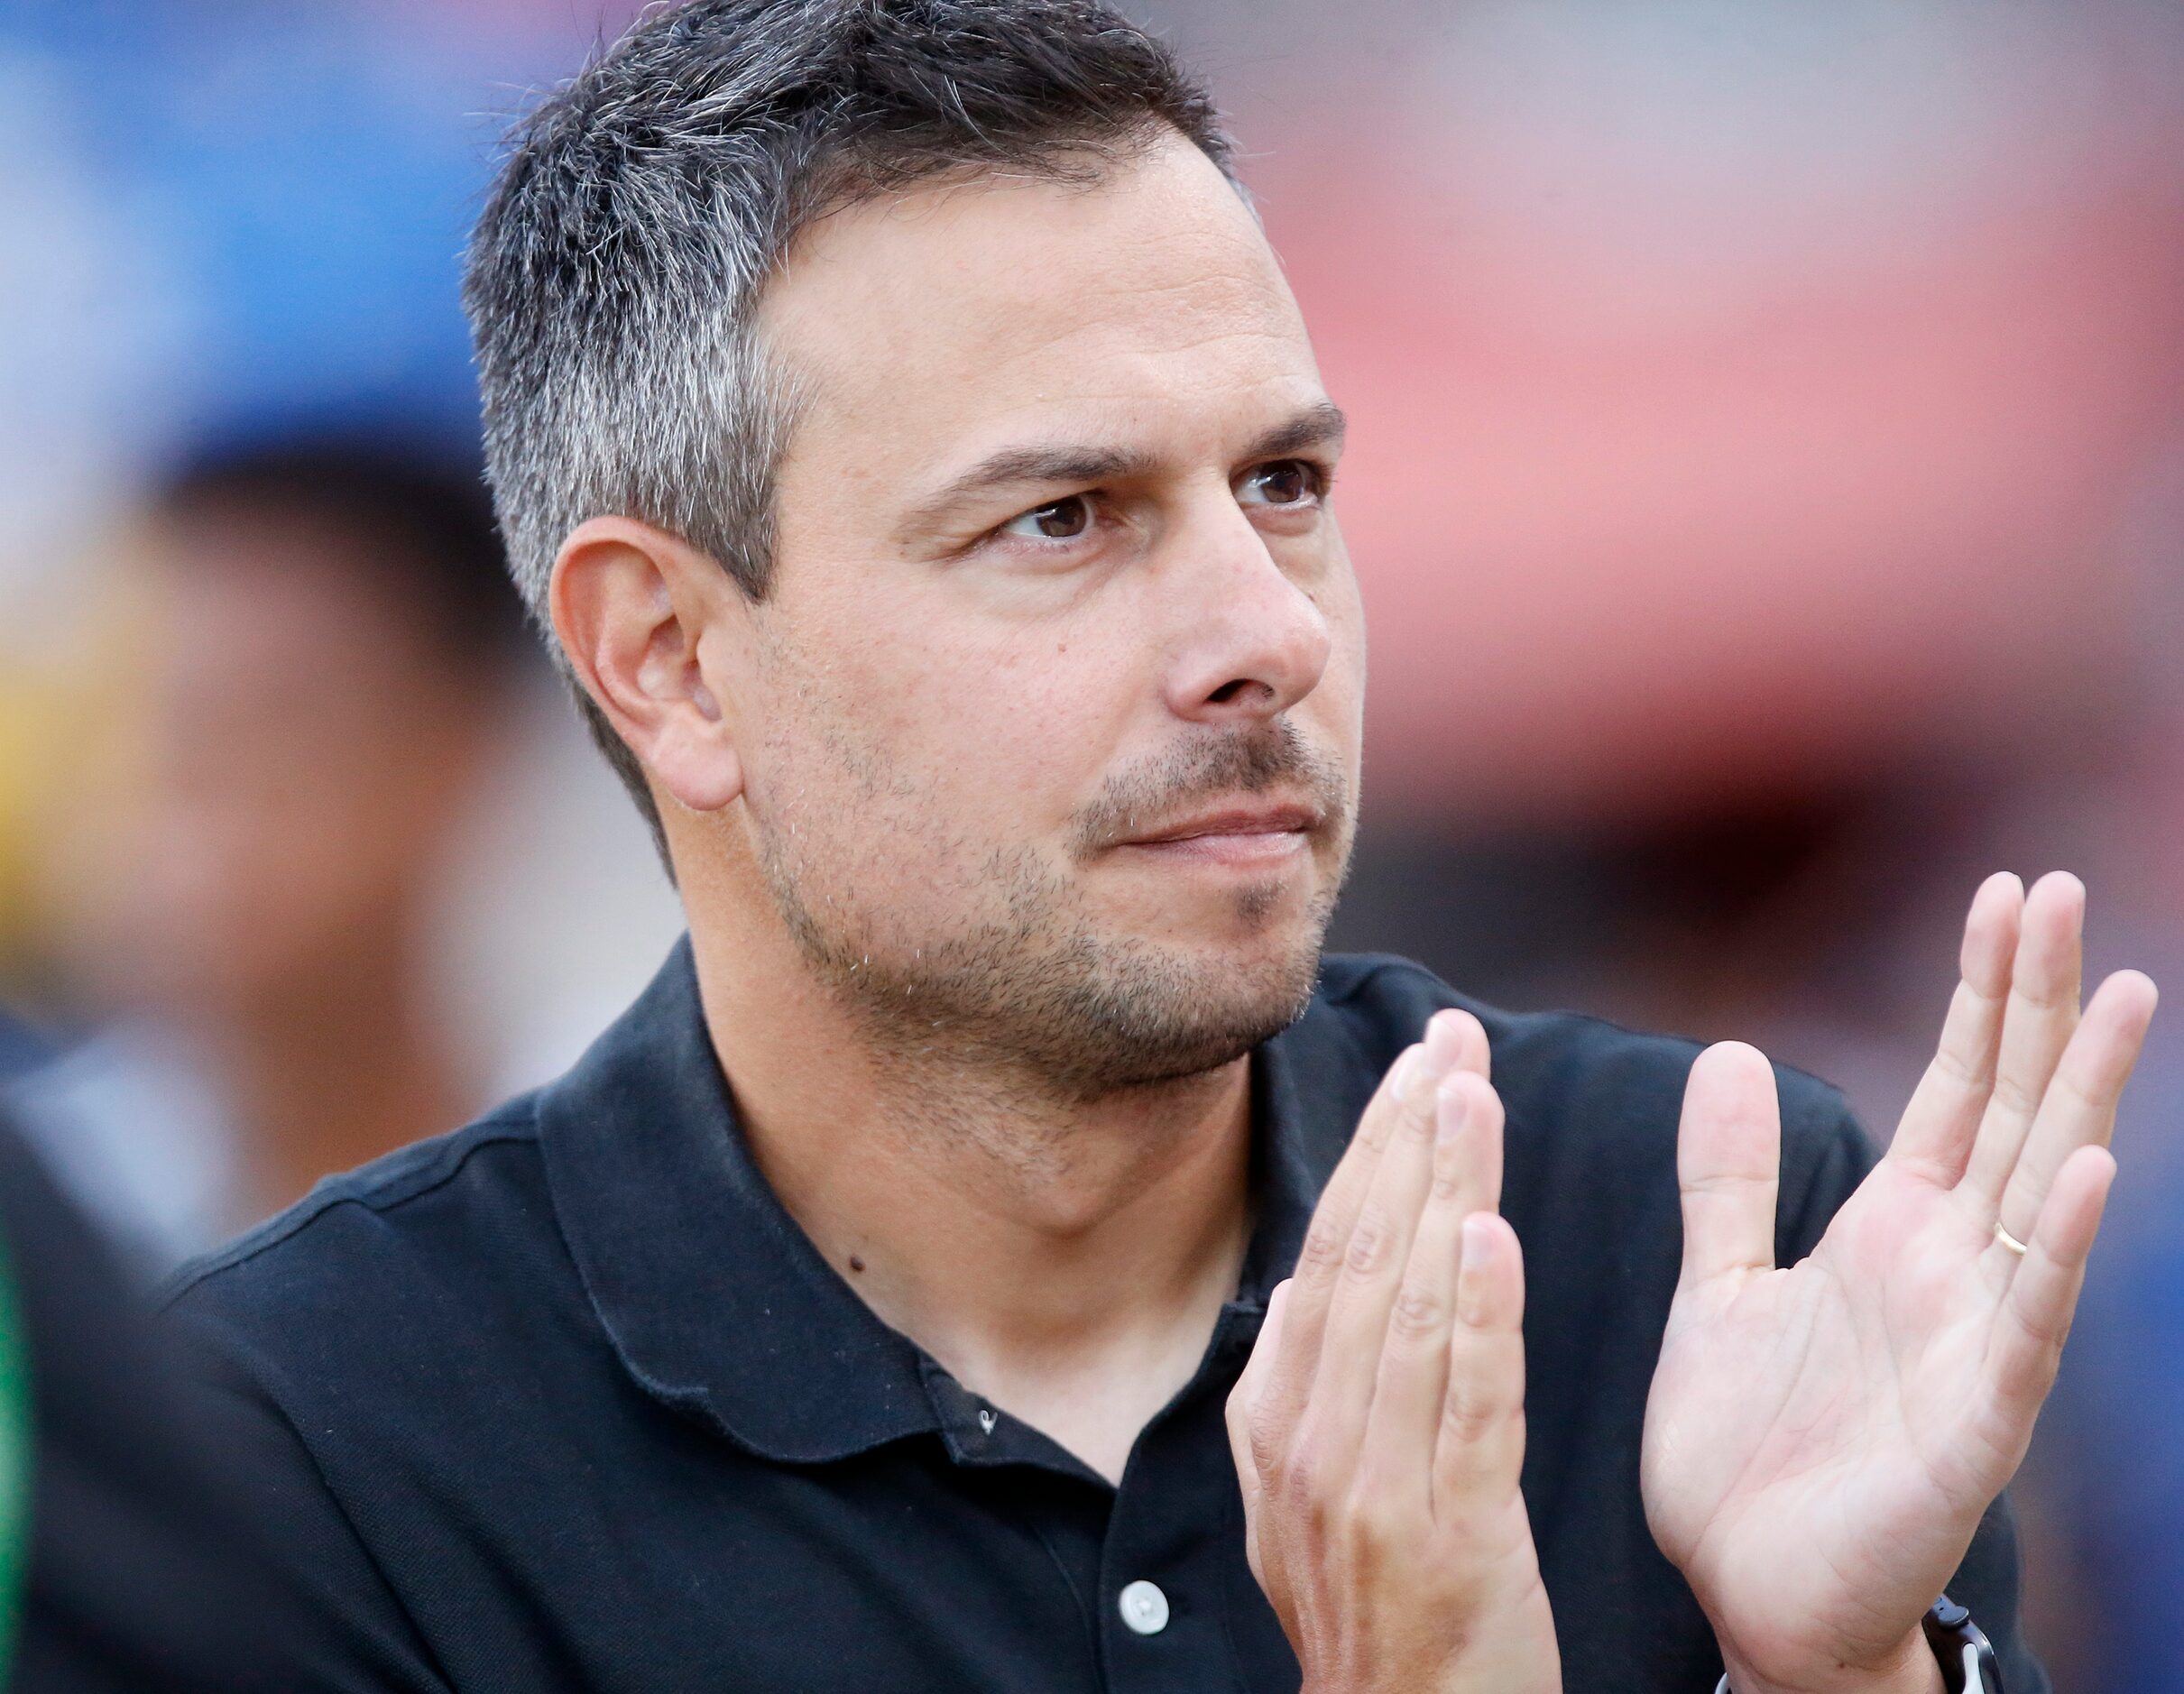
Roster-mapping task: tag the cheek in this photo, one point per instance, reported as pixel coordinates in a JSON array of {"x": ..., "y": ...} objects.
[
  {"x": 1034, "y": 722},
  {"x": 990, "y": 739}
]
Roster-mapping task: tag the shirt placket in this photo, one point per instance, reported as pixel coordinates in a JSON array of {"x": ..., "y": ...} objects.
[{"x": 1176, "y": 1527}]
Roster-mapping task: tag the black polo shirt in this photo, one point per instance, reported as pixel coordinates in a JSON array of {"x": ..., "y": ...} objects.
[{"x": 566, "y": 1399}]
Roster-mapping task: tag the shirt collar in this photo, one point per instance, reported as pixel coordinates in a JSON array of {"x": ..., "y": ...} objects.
[{"x": 714, "y": 1298}]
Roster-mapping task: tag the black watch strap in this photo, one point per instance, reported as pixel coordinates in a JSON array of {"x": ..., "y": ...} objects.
[{"x": 1967, "y": 1656}]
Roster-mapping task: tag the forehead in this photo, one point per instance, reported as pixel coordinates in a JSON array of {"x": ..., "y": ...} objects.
[{"x": 971, "y": 309}]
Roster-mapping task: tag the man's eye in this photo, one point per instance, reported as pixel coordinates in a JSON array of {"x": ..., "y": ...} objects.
[
  {"x": 1284, "y": 483},
  {"x": 1058, "y": 520}
]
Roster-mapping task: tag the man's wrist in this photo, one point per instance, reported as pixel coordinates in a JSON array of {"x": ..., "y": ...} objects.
[{"x": 1911, "y": 1668}]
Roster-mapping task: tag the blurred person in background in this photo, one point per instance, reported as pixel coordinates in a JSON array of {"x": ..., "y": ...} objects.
[{"x": 325, "y": 638}]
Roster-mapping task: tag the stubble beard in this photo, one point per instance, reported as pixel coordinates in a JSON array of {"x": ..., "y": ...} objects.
[{"x": 1027, "y": 983}]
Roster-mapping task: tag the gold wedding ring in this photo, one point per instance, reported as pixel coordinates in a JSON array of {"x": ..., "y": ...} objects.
[{"x": 2007, "y": 1239}]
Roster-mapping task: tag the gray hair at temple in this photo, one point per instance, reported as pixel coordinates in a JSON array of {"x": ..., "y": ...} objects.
[{"x": 614, "y": 277}]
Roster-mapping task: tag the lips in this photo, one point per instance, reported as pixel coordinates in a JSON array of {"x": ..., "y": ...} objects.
[{"x": 1285, "y": 818}]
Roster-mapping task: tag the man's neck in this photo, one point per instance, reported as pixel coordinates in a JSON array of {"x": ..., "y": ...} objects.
[{"x": 1065, "y": 1260}]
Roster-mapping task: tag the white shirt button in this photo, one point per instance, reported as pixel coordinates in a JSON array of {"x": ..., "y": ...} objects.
[{"x": 1143, "y": 1608}]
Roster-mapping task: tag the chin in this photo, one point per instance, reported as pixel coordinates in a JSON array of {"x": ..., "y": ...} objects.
[
  {"x": 1242, "y": 922},
  {"x": 1120, "y": 993},
  {"x": 1275, "y": 913},
  {"x": 1156, "y": 1014}
]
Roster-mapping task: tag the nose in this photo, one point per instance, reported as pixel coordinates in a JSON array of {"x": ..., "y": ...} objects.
[{"x": 1252, "y": 642}]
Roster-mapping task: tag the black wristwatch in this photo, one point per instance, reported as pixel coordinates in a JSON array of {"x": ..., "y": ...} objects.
[{"x": 1967, "y": 1656}]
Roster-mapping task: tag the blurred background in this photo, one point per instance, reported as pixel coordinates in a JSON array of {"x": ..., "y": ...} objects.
[{"x": 1767, "y": 477}]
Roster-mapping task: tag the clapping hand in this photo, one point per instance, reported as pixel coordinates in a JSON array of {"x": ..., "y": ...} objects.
[
  {"x": 1821, "y": 1439},
  {"x": 1378, "y": 1429}
]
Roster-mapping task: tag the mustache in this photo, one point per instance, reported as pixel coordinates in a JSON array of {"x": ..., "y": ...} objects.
[{"x": 1273, "y": 755}]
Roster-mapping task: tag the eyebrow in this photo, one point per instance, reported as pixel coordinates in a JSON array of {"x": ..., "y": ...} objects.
[{"x": 1316, "y": 425}]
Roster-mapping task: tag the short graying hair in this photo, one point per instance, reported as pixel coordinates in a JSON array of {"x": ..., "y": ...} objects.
[{"x": 614, "y": 276}]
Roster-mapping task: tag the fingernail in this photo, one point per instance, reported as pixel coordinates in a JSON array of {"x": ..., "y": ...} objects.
[
  {"x": 1443, "y": 1040},
  {"x": 1406, "y": 1067}
]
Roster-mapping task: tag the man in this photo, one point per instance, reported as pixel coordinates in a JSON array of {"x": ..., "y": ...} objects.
[
  {"x": 905, "y": 428},
  {"x": 327, "y": 637}
]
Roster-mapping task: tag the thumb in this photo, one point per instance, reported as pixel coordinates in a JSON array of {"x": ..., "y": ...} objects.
[
  {"x": 1728, "y": 1153},
  {"x": 1243, "y": 1422}
]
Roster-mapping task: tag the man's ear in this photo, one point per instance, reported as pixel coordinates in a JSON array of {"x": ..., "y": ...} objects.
[{"x": 633, "y": 607}]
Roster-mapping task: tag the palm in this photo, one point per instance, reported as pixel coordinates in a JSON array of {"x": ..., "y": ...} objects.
[
  {"x": 1857, "y": 1423},
  {"x": 1822, "y": 1441}
]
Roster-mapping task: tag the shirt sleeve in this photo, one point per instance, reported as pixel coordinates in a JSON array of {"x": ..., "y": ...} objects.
[
  {"x": 1823, "y": 1166},
  {"x": 354, "y": 1636},
  {"x": 175, "y": 1520}
]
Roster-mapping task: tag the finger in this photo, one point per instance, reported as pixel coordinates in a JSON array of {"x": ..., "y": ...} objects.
[
  {"x": 1327, "y": 1237},
  {"x": 2034, "y": 1319},
  {"x": 1473, "y": 1052},
  {"x": 1451, "y": 1038},
  {"x": 2079, "y": 1108},
  {"x": 1259, "y": 1369},
  {"x": 2036, "y": 1026},
  {"x": 1243, "y": 1404},
  {"x": 1940, "y": 1125},
  {"x": 1479, "y": 1455},
  {"x": 1457, "y": 1041},
  {"x": 1404, "y": 1416},
  {"x": 1364, "y": 1297},
  {"x": 1728, "y": 1154}
]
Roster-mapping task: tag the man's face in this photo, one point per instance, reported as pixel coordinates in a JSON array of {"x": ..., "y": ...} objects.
[{"x": 1055, "y": 753}]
